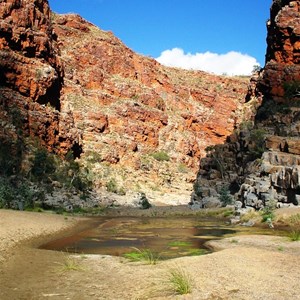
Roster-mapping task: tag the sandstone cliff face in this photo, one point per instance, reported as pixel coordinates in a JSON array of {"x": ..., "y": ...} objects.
[
  {"x": 279, "y": 113},
  {"x": 283, "y": 51},
  {"x": 128, "y": 119},
  {"x": 261, "y": 159},
  {"x": 31, "y": 74},
  {"x": 128, "y": 107}
]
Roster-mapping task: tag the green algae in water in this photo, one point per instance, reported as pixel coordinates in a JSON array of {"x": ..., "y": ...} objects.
[
  {"x": 196, "y": 252},
  {"x": 185, "y": 248},
  {"x": 179, "y": 244}
]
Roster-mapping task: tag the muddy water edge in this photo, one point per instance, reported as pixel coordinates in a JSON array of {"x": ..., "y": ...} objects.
[{"x": 168, "y": 236}]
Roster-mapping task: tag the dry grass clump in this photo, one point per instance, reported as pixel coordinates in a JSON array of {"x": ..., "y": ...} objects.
[
  {"x": 70, "y": 263},
  {"x": 251, "y": 215},
  {"x": 288, "y": 220},
  {"x": 295, "y": 220},
  {"x": 294, "y": 235},
  {"x": 292, "y": 220}
]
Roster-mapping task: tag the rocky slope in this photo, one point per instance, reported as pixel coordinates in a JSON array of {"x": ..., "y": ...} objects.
[
  {"x": 134, "y": 124},
  {"x": 129, "y": 108},
  {"x": 261, "y": 159}
]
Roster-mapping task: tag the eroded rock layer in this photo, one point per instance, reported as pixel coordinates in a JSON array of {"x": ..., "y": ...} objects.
[
  {"x": 130, "y": 120},
  {"x": 129, "y": 107},
  {"x": 261, "y": 159},
  {"x": 283, "y": 51},
  {"x": 31, "y": 75}
]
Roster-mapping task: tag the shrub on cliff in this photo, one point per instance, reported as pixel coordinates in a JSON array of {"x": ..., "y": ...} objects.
[
  {"x": 257, "y": 137},
  {"x": 291, "y": 89},
  {"x": 161, "y": 156},
  {"x": 11, "y": 153},
  {"x": 269, "y": 108},
  {"x": 16, "y": 195},
  {"x": 216, "y": 154},
  {"x": 42, "y": 164},
  {"x": 6, "y": 193},
  {"x": 112, "y": 187},
  {"x": 144, "y": 202},
  {"x": 47, "y": 168},
  {"x": 225, "y": 196},
  {"x": 197, "y": 189}
]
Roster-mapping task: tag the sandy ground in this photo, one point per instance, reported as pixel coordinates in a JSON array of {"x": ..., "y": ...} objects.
[
  {"x": 244, "y": 267},
  {"x": 17, "y": 227}
]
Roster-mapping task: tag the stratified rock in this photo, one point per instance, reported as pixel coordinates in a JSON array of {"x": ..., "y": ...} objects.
[
  {"x": 128, "y": 107},
  {"x": 260, "y": 161},
  {"x": 283, "y": 51},
  {"x": 31, "y": 75},
  {"x": 139, "y": 101},
  {"x": 284, "y": 144}
]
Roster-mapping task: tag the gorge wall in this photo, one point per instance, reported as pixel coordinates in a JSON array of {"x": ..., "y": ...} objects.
[
  {"x": 127, "y": 119},
  {"x": 130, "y": 109},
  {"x": 31, "y": 76},
  {"x": 260, "y": 161}
]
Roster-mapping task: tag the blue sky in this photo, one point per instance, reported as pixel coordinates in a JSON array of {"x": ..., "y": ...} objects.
[{"x": 193, "y": 33}]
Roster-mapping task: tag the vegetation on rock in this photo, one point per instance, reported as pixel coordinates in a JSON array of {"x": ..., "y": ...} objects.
[
  {"x": 161, "y": 156},
  {"x": 291, "y": 89},
  {"x": 225, "y": 197}
]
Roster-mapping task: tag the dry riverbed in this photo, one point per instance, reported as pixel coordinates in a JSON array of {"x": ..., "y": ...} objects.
[{"x": 244, "y": 267}]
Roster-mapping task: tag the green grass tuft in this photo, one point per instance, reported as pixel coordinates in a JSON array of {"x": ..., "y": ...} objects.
[
  {"x": 161, "y": 156},
  {"x": 196, "y": 252},
  {"x": 70, "y": 264},
  {"x": 234, "y": 241},
  {"x": 294, "y": 235},
  {"x": 267, "y": 217},
  {"x": 180, "y": 281},
  {"x": 145, "y": 255}
]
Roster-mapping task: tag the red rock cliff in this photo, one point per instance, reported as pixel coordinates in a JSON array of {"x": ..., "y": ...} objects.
[
  {"x": 31, "y": 73},
  {"x": 132, "y": 103},
  {"x": 261, "y": 161},
  {"x": 283, "y": 51},
  {"x": 78, "y": 87}
]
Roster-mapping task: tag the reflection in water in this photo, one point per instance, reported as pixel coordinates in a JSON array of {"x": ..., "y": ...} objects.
[{"x": 171, "y": 237}]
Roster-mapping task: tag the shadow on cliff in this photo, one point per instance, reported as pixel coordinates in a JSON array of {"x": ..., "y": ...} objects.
[{"x": 259, "y": 162}]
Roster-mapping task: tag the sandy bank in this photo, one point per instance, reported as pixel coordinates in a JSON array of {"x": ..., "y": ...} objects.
[
  {"x": 18, "y": 227},
  {"x": 244, "y": 268}
]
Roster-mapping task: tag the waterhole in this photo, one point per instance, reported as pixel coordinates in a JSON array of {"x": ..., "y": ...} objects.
[{"x": 168, "y": 237}]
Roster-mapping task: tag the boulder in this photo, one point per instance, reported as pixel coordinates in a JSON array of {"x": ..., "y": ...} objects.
[{"x": 211, "y": 202}]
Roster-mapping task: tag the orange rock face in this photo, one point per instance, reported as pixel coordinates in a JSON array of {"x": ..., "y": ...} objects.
[
  {"x": 283, "y": 52},
  {"x": 31, "y": 73},
  {"x": 78, "y": 87},
  {"x": 138, "y": 101},
  {"x": 260, "y": 161}
]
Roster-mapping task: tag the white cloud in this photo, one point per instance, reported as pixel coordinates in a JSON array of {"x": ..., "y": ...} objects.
[{"x": 231, "y": 63}]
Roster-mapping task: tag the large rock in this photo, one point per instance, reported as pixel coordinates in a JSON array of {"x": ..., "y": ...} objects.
[
  {"x": 284, "y": 144},
  {"x": 142, "y": 102},
  {"x": 28, "y": 57},
  {"x": 79, "y": 88}
]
